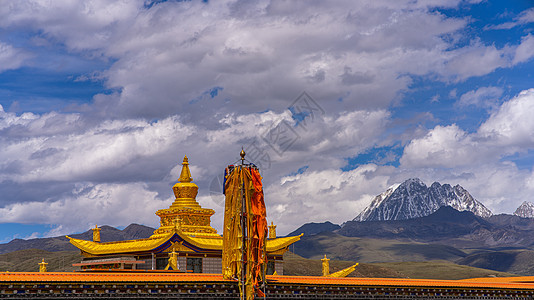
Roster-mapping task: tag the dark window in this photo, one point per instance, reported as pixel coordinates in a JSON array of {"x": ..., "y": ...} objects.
[
  {"x": 194, "y": 264},
  {"x": 270, "y": 267},
  {"x": 161, "y": 263}
]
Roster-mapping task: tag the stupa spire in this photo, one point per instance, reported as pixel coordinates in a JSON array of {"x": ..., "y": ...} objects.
[
  {"x": 185, "y": 214},
  {"x": 185, "y": 176},
  {"x": 185, "y": 190}
]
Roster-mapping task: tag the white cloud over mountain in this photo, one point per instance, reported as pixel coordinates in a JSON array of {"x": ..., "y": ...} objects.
[{"x": 479, "y": 160}]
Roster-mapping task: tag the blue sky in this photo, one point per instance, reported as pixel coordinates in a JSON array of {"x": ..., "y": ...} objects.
[{"x": 101, "y": 100}]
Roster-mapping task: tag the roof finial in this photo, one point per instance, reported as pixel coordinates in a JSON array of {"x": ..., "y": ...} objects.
[
  {"x": 185, "y": 176},
  {"x": 326, "y": 266},
  {"x": 272, "y": 230},
  {"x": 96, "y": 234},
  {"x": 242, "y": 154},
  {"x": 42, "y": 266}
]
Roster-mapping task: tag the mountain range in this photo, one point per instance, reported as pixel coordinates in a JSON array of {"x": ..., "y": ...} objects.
[
  {"x": 501, "y": 242},
  {"x": 413, "y": 222}
]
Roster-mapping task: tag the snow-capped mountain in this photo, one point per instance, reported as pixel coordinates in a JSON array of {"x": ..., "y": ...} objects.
[
  {"x": 413, "y": 199},
  {"x": 525, "y": 210}
]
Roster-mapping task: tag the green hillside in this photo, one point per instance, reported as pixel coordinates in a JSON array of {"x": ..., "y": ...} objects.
[
  {"x": 439, "y": 269},
  {"x": 514, "y": 261},
  {"x": 373, "y": 250},
  {"x": 27, "y": 260},
  {"x": 297, "y": 265}
]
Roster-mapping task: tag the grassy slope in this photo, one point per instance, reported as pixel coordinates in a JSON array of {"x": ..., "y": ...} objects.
[
  {"x": 373, "y": 250},
  {"x": 296, "y": 265},
  {"x": 439, "y": 269},
  {"x": 27, "y": 260},
  {"x": 514, "y": 261}
]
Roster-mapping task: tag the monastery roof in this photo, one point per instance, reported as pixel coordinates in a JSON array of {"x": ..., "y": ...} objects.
[{"x": 158, "y": 244}]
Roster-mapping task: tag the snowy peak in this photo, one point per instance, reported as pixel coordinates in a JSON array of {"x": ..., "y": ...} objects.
[
  {"x": 413, "y": 199},
  {"x": 525, "y": 210},
  {"x": 377, "y": 201}
]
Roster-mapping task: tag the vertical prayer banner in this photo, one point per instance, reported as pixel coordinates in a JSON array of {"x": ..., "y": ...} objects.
[{"x": 245, "y": 228}]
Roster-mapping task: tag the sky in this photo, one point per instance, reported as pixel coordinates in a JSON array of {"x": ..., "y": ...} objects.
[{"x": 335, "y": 101}]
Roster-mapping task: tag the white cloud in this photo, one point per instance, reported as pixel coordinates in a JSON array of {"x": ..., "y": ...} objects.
[
  {"x": 11, "y": 58},
  {"x": 476, "y": 60},
  {"x": 176, "y": 51},
  {"x": 507, "y": 131},
  {"x": 486, "y": 97},
  {"x": 512, "y": 126},
  {"x": 329, "y": 194},
  {"x": 102, "y": 163},
  {"x": 443, "y": 146},
  {"x": 81, "y": 25},
  {"x": 525, "y": 17},
  {"x": 108, "y": 148},
  {"x": 525, "y": 51},
  {"x": 109, "y": 204}
]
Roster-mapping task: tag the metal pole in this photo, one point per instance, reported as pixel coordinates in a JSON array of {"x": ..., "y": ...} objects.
[
  {"x": 243, "y": 227},
  {"x": 245, "y": 233}
]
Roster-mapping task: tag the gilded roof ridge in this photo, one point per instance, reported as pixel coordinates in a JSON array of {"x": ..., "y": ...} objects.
[{"x": 118, "y": 242}]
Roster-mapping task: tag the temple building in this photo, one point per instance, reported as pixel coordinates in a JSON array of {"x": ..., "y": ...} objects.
[{"x": 184, "y": 239}]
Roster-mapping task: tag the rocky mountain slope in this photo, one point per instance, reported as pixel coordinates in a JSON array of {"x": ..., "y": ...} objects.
[
  {"x": 525, "y": 210},
  {"x": 413, "y": 199}
]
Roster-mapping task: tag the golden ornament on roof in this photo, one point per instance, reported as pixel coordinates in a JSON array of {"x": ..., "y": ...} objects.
[{"x": 185, "y": 191}]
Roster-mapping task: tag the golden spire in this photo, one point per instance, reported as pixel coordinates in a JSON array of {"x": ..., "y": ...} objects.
[
  {"x": 185, "y": 176},
  {"x": 185, "y": 190}
]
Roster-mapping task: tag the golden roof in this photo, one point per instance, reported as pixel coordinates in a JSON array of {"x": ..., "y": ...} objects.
[{"x": 152, "y": 243}]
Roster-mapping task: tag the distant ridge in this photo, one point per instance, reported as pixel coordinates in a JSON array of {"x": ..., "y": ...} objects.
[
  {"x": 61, "y": 243},
  {"x": 413, "y": 199},
  {"x": 315, "y": 228}
]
